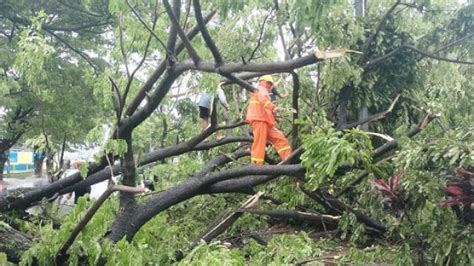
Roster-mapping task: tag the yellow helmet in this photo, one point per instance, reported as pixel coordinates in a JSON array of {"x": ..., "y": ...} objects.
[{"x": 266, "y": 78}]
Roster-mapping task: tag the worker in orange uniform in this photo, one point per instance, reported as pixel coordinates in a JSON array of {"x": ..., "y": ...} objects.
[{"x": 260, "y": 116}]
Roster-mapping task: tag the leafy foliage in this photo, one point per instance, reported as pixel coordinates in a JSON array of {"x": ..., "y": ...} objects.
[{"x": 327, "y": 150}]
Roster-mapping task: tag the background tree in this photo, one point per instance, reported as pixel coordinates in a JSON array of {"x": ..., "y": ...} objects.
[{"x": 43, "y": 60}]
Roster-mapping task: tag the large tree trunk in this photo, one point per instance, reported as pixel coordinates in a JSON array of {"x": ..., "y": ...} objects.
[
  {"x": 49, "y": 165},
  {"x": 3, "y": 160},
  {"x": 128, "y": 204},
  {"x": 13, "y": 242},
  {"x": 61, "y": 154},
  {"x": 344, "y": 96},
  {"x": 39, "y": 167}
]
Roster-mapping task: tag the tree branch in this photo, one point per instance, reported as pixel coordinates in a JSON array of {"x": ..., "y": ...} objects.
[
  {"x": 122, "y": 48},
  {"x": 322, "y": 196},
  {"x": 280, "y": 32},
  {"x": 372, "y": 117},
  {"x": 295, "y": 215},
  {"x": 244, "y": 84},
  {"x": 220, "y": 225},
  {"x": 154, "y": 156},
  {"x": 148, "y": 85},
  {"x": 152, "y": 31},
  {"x": 75, "y": 181},
  {"x": 172, "y": 36},
  {"x": 194, "y": 186},
  {"x": 449, "y": 45},
  {"x": 274, "y": 67},
  {"x": 295, "y": 98},
  {"x": 205, "y": 34},
  {"x": 373, "y": 34},
  {"x": 259, "y": 42},
  {"x": 430, "y": 55},
  {"x": 116, "y": 100},
  {"x": 13, "y": 242},
  {"x": 77, "y": 51},
  {"x": 371, "y": 64},
  {"x": 194, "y": 56},
  {"x": 247, "y": 183}
]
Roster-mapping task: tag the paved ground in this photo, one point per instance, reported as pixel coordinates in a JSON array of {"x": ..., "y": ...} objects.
[
  {"x": 25, "y": 182},
  {"x": 12, "y": 183}
]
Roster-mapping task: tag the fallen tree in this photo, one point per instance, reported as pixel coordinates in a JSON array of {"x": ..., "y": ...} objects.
[{"x": 220, "y": 174}]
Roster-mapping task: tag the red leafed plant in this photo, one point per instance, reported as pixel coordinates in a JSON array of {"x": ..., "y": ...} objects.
[
  {"x": 461, "y": 191},
  {"x": 390, "y": 192}
]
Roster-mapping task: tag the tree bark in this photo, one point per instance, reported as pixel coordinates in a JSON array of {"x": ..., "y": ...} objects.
[
  {"x": 128, "y": 203},
  {"x": 3, "y": 160},
  {"x": 191, "y": 187},
  {"x": 344, "y": 96},
  {"x": 296, "y": 94},
  {"x": 61, "y": 155}
]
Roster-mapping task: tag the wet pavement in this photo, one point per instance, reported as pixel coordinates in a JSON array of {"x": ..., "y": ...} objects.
[
  {"x": 25, "y": 182},
  {"x": 12, "y": 183}
]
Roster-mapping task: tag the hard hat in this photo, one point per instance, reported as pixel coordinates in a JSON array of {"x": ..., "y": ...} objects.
[{"x": 266, "y": 78}]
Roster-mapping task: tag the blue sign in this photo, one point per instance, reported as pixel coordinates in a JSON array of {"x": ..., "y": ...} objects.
[{"x": 13, "y": 157}]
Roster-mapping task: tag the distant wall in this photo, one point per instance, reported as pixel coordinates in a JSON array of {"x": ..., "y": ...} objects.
[{"x": 19, "y": 161}]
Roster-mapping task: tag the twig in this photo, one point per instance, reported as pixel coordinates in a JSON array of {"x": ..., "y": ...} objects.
[
  {"x": 430, "y": 55},
  {"x": 152, "y": 32},
  {"x": 122, "y": 48},
  {"x": 259, "y": 42},
  {"x": 453, "y": 43},
  {"x": 147, "y": 46}
]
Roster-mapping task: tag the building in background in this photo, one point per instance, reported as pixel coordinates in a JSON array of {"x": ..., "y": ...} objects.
[{"x": 19, "y": 161}]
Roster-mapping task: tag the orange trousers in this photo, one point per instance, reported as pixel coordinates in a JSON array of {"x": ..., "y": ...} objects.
[{"x": 263, "y": 132}]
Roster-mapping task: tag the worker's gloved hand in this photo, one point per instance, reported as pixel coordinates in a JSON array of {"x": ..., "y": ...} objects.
[{"x": 276, "y": 110}]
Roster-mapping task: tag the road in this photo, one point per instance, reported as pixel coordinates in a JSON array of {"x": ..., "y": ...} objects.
[
  {"x": 12, "y": 183},
  {"x": 25, "y": 182}
]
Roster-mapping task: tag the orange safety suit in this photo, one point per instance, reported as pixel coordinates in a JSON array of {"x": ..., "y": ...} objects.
[{"x": 261, "y": 119}]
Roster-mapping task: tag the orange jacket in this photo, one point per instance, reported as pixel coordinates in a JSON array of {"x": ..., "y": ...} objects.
[{"x": 260, "y": 107}]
